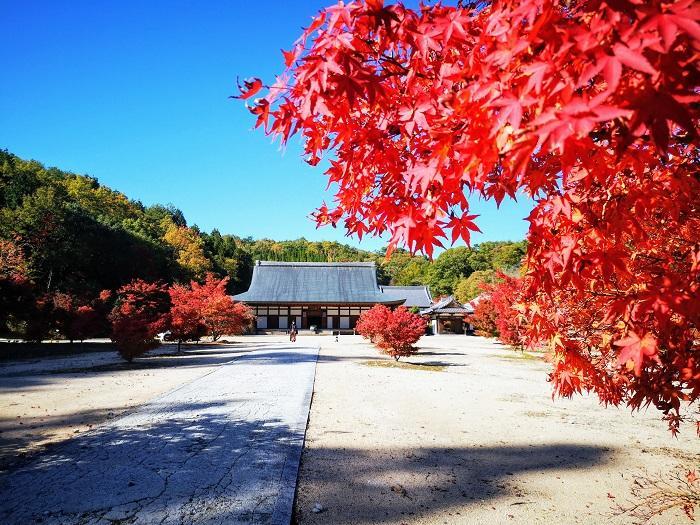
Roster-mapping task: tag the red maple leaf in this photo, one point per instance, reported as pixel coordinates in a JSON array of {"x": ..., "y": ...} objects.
[
  {"x": 250, "y": 87},
  {"x": 461, "y": 227},
  {"x": 635, "y": 349}
]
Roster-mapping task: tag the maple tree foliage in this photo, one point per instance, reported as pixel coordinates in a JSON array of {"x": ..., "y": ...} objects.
[
  {"x": 394, "y": 332},
  {"x": 139, "y": 314},
  {"x": 186, "y": 322},
  {"x": 77, "y": 319},
  {"x": 15, "y": 286},
  {"x": 88, "y": 322},
  {"x": 588, "y": 107},
  {"x": 206, "y": 309},
  {"x": 372, "y": 322},
  {"x": 80, "y": 320},
  {"x": 223, "y": 316},
  {"x": 484, "y": 318},
  {"x": 497, "y": 313},
  {"x": 504, "y": 295},
  {"x": 38, "y": 318},
  {"x": 13, "y": 266},
  {"x": 218, "y": 312}
]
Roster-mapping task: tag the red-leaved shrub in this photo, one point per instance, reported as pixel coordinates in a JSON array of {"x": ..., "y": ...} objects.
[
  {"x": 504, "y": 295},
  {"x": 484, "y": 318},
  {"x": 206, "y": 309},
  {"x": 394, "y": 332},
  {"x": 372, "y": 323},
  {"x": 186, "y": 322},
  {"x": 220, "y": 314},
  {"x": 140, "y": 313}
]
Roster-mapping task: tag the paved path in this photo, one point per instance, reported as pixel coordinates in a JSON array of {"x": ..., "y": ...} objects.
[{"x": 224, "y": 448}]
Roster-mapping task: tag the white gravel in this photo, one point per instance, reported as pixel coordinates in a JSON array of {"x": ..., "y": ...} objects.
[{"x": 474, "y": 437}]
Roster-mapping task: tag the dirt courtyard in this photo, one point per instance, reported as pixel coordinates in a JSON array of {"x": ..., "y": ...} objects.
[
  {"x": 466, "y": 432},
  {"x": 470, "y": 437}
]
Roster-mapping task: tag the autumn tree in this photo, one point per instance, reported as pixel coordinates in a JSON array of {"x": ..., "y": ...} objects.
[
  {"x": 394, "y": 332},
  {"x": 186, "y": 314},
  {"x": 504, "y": 294},
  {"x": 484, "y": 318},
  {"x": 38, "y": 318},
  {"x": 89, "y": 322},
  {"x": 139, "y": 314},
  {"x": 590, "y": 108},
  {"x": 77, "y": 319},
  {"x": 15, "y": 286},
  {"x": 189, "y": 248},
  {"x": 218, "y": 312},
  {"x": 372, "y": 322},
  {"x": 65, "y": 308}
]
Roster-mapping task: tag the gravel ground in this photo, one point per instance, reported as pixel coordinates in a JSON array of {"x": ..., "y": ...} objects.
[
  {"x": 470, "y": 436},
  {"x": 466, "y": 433}
]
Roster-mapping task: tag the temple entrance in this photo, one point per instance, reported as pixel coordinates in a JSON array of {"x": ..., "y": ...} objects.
[
  {"x": 452, "y": 325},
  {"x": 314, "y": 318}
]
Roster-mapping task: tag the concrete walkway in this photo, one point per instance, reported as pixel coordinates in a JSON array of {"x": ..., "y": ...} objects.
[{"x": 224, "y": 448}]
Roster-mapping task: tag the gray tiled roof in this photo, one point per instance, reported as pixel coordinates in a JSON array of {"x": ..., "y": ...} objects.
[
  {"x": 448, "y": 305},
  {"x": 297, "y": 282},
  {"x": 414, "y": 295}
]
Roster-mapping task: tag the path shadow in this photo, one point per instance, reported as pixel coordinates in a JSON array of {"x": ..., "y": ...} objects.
[
  {"x": 190, "y": 358},
  {"x": 14, "y": 438},
  {"x": 285, "y": 355}
]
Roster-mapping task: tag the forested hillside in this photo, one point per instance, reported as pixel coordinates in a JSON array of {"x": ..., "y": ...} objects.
[{"x": 66, "y": 233}]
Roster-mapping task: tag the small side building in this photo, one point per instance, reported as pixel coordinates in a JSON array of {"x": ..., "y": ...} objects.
[{"x": 447, "y": 316}]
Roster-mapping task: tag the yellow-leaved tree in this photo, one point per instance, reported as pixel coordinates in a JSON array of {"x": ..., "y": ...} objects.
[{"x": 189, "y": 249}]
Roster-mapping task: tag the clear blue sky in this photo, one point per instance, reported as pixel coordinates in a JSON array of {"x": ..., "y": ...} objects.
[{"x": 135, "y": 94}]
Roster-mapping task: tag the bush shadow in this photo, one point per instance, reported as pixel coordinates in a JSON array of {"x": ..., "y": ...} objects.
[{"x": 412, "y": 483}]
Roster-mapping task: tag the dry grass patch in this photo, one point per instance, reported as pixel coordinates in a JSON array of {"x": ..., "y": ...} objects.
[
  {"x": 517, "y": 355},
  {"x": 426, "y": 367}
]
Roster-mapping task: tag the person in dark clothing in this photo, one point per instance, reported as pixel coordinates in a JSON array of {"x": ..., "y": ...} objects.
[{"x": 293, "y": 332}]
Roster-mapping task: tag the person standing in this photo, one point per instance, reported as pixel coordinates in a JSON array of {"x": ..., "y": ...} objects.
[{"x": 293, "y": 332}]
